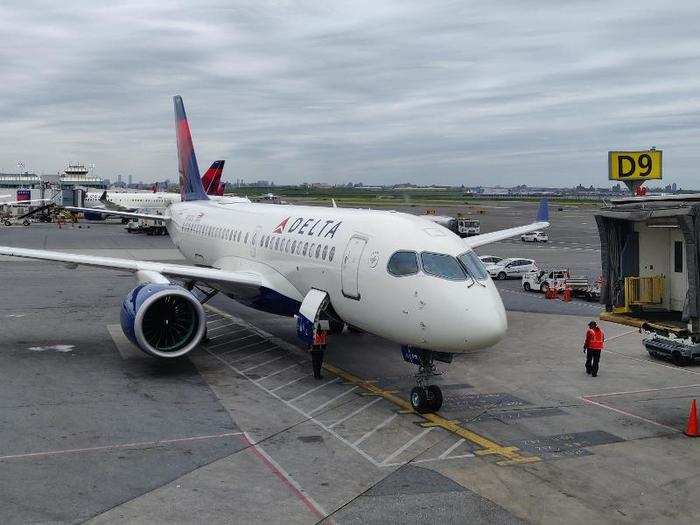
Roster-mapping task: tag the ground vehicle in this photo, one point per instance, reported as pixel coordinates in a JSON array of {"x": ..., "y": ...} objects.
[
  {"x": 462, "y": 226},
  {"x": 149, "y": 227},
  {"x": 490, "y": 259},
  {"x": 543, "y": 280},
  {"x": 682, "y": 351},
  {"x": 467, "y": 227},
  {"x": 538, "y": 236},
  {"x": 511, "y": 268},
  {"x": 559, "y": 279}
]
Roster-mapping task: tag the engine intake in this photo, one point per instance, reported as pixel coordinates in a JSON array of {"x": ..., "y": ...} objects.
[{"x": 163, "y": 320}]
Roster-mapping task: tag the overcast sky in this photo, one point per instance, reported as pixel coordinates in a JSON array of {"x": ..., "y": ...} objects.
[{"x": 373, "y": 91}]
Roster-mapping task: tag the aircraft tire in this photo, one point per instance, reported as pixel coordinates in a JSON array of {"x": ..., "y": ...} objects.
[
  {"x": 434, "y": 398},
  {"x": 419, "y": 400}
]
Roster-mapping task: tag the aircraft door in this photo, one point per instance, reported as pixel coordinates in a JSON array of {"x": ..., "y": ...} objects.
[
  {"x": 351, "y": 267},
  {"x": 678, "y": 286}
]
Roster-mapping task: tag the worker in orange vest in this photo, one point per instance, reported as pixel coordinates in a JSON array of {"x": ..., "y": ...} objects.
[
  {"x": 318, "y": 346},
  {"x": 595, "y": 341}
]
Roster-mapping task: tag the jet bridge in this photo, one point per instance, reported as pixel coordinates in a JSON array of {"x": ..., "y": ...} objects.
[{"x": 650, "y": 255}]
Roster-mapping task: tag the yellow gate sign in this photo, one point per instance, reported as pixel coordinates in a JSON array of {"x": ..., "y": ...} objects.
[{"x": 634, "y": 165}]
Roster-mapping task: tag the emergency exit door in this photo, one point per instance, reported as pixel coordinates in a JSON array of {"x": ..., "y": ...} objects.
[{"x": 350, "y": 269}]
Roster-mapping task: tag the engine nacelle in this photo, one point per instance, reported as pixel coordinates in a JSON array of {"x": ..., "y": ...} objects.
[{"x": 163, "y": 320}]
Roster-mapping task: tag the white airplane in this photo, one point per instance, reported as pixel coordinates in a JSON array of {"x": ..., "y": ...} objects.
[
  {"x": 395, "y": 275},
  {"x": 155, "y": 201}
]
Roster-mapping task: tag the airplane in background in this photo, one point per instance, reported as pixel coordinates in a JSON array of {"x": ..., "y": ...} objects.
[
  {"x": 155, "y": 201},
  {"x": 392, "y": 274}
]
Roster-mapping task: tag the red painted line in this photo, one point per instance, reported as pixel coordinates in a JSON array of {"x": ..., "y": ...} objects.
[
  {"x": 119, "y": 446},
  {"x": 285, "y": 478}
]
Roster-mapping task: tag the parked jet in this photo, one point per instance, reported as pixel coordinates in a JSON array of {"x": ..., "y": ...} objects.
[
  {"x": 392, "y": 274},
  {"x": 155, "y": 201}
]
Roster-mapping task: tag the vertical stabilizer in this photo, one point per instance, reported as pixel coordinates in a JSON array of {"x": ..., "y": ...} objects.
[{"x": 191, "y": 188}]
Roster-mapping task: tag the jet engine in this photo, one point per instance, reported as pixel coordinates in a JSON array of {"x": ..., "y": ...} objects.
[{"x": 162, "y": 319}]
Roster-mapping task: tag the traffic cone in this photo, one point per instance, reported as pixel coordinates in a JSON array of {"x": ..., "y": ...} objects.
[{"x": 691, "y": 428}]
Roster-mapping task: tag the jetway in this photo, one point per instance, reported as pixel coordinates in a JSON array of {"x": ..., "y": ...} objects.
[{"x": 650, "y": 256}]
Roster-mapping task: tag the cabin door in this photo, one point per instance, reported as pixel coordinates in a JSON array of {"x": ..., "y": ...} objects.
[
  {"x": 678, "y": 271},
  {"x": 349, "y": 272}
]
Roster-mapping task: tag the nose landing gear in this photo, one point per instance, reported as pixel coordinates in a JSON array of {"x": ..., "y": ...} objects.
[{"x": 425, "y": 398}]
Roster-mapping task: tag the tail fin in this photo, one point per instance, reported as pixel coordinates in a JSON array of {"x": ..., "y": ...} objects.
[
  {"x": 154, "y": 188},
  {"x": 211, "y": 180},
  {"x": 191, "y": 188},
  {"x": 543, "y": 211}
]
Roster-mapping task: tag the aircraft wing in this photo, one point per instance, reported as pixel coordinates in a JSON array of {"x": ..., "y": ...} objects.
[
  {"x": 205, "y": 275},
  {"x": 13, "y": 203},
  {"x": 128, "y": 214},
  {"x": 487, "y": 238}
]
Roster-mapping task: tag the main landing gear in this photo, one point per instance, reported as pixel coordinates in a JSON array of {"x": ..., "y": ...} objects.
[{"x": 424, "y": 397}]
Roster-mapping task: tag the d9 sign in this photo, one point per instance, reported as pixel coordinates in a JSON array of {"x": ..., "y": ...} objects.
[{"x": 634, "y": 165}]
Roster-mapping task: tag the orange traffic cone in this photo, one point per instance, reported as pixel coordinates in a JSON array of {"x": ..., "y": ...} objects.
[{"x": 691, "y": 428}]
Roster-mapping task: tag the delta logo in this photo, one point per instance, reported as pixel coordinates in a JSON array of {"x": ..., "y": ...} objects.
[{"x": 314, "y": 227}]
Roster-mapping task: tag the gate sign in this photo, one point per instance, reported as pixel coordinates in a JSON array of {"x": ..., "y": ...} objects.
[{"x": 634, "y": 165}]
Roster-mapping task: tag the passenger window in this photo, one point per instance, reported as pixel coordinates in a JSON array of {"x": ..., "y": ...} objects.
[
  {"x": 325, "y": 252},
  {"x": 331, "y": 253},
  {"x": 306, "y": 247},
  {"x": 443, "y": 266},
  {"x": 402, "y": 263},
  {"x": 318, "y": 251},
  {"x": 474, "y": 266},
  {"x": 294, "y": 246},
  {"x": 267, "y": 241},
  {"x": 245, "y": 241},
  {"x": 311, "y": 250}
]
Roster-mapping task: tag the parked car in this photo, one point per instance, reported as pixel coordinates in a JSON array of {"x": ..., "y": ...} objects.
[
  {"x": 537, "y": 236},
  {"x": 490, "y": 259},
  {"x": 511, "y": 268}
]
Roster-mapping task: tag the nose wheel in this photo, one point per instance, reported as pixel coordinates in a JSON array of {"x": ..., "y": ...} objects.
[{"x": 426, "y": 399}]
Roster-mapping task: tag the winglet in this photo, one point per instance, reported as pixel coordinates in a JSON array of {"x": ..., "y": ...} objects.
[
  {"x": 191, "y": 188},
  {"x": 543, "y": 211}
]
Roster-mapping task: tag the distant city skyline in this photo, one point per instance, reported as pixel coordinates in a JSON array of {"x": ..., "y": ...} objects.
[{"x": 425, "y": 92}]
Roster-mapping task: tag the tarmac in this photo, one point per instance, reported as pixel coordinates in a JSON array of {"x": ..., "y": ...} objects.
[{"x": 92, "y": 430}]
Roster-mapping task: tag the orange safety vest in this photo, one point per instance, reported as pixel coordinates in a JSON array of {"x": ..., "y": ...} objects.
[
  {"x": 595, "y": 339},
  {"x": 320, "y": 337}
]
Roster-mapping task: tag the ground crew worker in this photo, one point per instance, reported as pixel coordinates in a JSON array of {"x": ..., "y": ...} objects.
[
  {"x": 595, "y": 341},
  {"x": 317, "y": 348}
]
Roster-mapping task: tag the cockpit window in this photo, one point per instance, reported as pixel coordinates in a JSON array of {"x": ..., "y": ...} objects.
[
  {"x": 474, "y": 266},
  {"x": 443, "y": 266},
  {"x": 403, "y": 263}
]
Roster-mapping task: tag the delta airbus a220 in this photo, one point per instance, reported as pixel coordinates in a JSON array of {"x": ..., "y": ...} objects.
[{"x": 391, "y": 274}]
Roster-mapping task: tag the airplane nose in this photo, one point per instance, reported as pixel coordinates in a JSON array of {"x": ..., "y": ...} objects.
[{"x": 486, "y": 320}]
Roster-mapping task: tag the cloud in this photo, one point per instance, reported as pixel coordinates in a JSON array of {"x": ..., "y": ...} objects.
[{"x": 380, "y": 92}]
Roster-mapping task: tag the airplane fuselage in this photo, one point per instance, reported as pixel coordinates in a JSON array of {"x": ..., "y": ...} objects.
[{"x": 344, "y": 252}]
